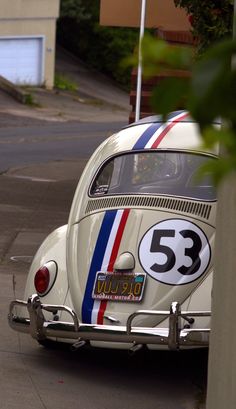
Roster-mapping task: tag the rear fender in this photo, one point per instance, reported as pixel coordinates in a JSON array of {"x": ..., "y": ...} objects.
[
  {"x": 52, "y": 248},
  {"x": 200, "y": 300}
]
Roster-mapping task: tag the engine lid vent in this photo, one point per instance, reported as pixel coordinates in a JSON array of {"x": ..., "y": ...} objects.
[{"x": 196, "y": 208}]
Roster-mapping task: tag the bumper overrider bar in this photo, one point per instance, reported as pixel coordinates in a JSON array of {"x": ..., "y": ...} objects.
[{"x": 174, "y": 337}]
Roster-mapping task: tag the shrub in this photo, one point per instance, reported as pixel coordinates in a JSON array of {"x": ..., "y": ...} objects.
[
  {"x": 211, "y": 20},
  {"x": 100, "y": 47}
]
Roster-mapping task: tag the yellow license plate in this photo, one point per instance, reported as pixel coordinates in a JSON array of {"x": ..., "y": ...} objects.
[{"x": 119, "y": 286}]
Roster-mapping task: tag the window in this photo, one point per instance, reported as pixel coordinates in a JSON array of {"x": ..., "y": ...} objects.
[{"x": 158, "y": 172}]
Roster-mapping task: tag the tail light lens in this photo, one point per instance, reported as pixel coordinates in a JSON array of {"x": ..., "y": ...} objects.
[{"x": 45, "y": 278}]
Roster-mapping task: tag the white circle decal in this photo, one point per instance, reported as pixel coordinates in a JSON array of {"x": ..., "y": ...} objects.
[{"x": 175, "y": 252}]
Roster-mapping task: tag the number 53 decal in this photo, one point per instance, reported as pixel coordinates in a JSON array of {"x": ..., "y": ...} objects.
[{"x": 175, "y": 252}]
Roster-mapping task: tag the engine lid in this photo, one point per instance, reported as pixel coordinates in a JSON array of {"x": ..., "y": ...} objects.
[{"x": 174, "y": 253}]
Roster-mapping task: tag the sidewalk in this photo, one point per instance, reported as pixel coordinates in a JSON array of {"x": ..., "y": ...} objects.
[{"x": 98, "y": 99}]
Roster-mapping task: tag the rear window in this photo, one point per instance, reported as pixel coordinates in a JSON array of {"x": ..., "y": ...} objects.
[{"x": 158, "y": 172}]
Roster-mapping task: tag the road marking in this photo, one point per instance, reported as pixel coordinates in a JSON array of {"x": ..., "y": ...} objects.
[
  {"x": 22, "y": 259},
  {"x": 32, "y": 178}
]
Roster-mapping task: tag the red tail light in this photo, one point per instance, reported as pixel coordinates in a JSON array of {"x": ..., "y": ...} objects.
[
  {"x": 41, "y": 280},
  {"x": 45, "y": 278}
]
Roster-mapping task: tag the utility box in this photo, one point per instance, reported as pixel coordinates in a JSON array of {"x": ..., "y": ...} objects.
[{"x": 27, "y": 41}]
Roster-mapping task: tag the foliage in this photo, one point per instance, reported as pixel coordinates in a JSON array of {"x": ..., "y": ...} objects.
[
  {"x": 158, "y": 55},
  {"x": 74, "y": 9},
  {"x": 209, "y": 93},
  {"x": 210, "y": 20},
  {"x": 30, "y": 100},
  {"x": 64, "y": 84},
  {"x": 100, "y": 47}
]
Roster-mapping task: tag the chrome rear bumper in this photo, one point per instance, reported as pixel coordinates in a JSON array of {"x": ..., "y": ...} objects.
[{"x": 173, "y": 337}]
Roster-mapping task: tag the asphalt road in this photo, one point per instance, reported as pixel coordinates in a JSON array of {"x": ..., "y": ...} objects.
[{"x": 39, "y": 144}]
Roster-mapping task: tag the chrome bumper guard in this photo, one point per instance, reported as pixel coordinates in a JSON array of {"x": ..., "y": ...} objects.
[{"x": 174, "y": 337}]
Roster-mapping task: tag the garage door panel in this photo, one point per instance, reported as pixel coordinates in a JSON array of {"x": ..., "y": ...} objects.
[{"x": 21, "y": 60}]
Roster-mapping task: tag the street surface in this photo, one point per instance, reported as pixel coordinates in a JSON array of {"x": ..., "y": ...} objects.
[
  {"x": 40, "y": 163},
  {"x": 50, "y": 142}
]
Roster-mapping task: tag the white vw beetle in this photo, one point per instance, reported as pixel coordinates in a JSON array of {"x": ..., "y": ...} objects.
[{"x": 133, "y": 266}]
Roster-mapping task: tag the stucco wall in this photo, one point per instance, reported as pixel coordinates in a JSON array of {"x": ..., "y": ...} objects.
[
  {"x": 33, "y": 18},
  {"x": 11, "y": 9}
]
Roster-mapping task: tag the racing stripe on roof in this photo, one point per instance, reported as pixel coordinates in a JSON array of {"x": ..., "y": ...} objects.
[
  {"x": 168, "y": 127},
  {"x": 146, "y": 136},
  {"x": 154, "y": 134},
  {"x": 172, "y": 115}
]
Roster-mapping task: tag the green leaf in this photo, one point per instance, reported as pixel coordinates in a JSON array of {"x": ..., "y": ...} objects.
[
  {"x": 221, "y": 168},
  {"x": 214, "y": 85},
  {"x": 158, "y": 55},
  {"x": 213, "y": 136},
  {"x": 170, "y": 95}
]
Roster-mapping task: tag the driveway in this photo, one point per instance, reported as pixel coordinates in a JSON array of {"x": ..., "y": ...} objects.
[{"x": 97, "y": 99}]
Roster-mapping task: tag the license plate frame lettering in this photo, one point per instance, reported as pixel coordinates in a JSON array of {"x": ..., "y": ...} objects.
[{"x": 119, "y": 286}]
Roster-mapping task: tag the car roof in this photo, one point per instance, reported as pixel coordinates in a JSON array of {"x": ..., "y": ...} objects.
[
  {"x": 160, "y": 119},
  {"x": 178, "y": 132}
]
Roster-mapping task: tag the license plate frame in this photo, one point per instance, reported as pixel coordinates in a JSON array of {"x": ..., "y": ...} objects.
[{"x": 119, "y": 286}]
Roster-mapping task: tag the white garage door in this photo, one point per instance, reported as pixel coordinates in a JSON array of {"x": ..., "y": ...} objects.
[{"x": 21, "y": 60}]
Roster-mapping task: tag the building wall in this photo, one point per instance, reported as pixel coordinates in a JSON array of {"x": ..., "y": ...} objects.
[
  {"x": 159, "y": 13},
  {"x": 24, "y": 9},
  {"x": 33, "y": 18}
]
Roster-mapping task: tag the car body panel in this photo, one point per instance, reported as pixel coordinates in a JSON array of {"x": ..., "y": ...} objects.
[
  {"x": 52, "y": 248},
  {"x": 167, "y": 237},
  {"x": 88, "y": 259}
]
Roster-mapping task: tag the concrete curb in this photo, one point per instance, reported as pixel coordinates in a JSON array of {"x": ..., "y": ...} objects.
[{"x": 16, "y": 92}]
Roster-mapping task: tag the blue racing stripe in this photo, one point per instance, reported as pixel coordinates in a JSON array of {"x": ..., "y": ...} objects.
[
  {"x": 175, "y": 113},
  {"x": 146, "y": 136},
  {"x": 96, "y": 263}
]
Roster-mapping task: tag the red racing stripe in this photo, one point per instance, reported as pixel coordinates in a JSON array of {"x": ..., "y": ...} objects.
[
  {"x": 118, "y": 239},
  {"x": 112, "y": 260},
  {"x": 167, "y": 129},
  {"x": 101, "y": 312}
]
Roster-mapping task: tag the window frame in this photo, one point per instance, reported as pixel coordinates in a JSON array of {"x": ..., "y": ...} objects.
[{"x": 164, "y": 150}]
